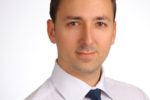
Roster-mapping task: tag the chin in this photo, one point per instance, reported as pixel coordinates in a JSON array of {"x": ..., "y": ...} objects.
[{"x": 88, "y": 68}]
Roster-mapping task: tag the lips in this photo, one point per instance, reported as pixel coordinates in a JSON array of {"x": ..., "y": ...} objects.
[
  {"x": 86, "y": 52},
  {"x": 86, "y": 55}
]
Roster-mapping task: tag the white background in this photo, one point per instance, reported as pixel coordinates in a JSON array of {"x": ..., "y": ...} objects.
[{"x": 27, "y": 57}]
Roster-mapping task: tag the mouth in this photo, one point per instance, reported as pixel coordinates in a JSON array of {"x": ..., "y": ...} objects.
[{"x": 86, "y": 55}]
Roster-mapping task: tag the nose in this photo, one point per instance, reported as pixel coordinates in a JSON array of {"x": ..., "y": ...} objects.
[{"x": 86, "y": 35}]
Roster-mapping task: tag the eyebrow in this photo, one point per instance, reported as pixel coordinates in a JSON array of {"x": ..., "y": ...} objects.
[
  {"x": 103, "y": 18},
  {"x": 72, "y": 18},
  {"x": 80, "y": 18}
]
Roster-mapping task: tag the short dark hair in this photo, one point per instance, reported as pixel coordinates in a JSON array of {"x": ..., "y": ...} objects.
[{"x": 55, "y": 4}]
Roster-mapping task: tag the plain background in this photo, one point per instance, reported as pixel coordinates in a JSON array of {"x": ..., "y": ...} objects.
[{"x": 27, "y": 57}]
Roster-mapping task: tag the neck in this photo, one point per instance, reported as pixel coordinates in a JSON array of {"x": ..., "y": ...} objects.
[
  {"x": 88, "y": 74},
  {"x": 90, "y": 78}
]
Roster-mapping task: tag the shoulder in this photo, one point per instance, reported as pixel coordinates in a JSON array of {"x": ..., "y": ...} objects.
[
  {"x": 124, "y": 91},
  {"x": 118, "y": 84},
  {"x": 45, "y": 92}
]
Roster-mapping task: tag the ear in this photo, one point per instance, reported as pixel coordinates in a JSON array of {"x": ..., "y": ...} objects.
[
  {"x": 114, "y": 33},
  {"x": 50, "y": 31}
]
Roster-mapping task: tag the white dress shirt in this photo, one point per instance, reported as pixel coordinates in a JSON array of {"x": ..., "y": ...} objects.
[{"x": 63, "y": 86}]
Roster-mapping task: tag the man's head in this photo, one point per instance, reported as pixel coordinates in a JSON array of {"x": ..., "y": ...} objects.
[
  {"x": 55, "y": 5},
  {"x": 83, "y": 31}
]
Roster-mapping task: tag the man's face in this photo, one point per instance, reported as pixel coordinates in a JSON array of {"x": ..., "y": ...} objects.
[{"x": 84, "y": 31}]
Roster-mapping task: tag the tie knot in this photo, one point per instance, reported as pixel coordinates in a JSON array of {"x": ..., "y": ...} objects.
[{"x": 94, "y": 94}]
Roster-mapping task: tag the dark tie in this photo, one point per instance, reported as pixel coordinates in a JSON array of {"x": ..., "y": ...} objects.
[{"x": 94, "y": 94}]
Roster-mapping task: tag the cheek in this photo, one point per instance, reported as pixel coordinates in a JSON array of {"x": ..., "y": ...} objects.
[
  {"x": 66, "y": 43},
  {"x": 104, "y": 43},
  {"x": 104, "y": 39}
]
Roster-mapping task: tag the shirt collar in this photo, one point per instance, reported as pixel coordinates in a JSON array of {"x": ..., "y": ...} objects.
[
  {"x": 103, "y": 86},
  {"x": 72, "y": 88}
]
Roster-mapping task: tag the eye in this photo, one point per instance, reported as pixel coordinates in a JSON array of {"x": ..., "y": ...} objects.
[
  {"x": 72, "y": 23},
  {"x": 101, "y": 24}
]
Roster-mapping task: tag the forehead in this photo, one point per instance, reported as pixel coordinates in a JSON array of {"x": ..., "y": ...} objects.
[{"x": 85, "y": 8}]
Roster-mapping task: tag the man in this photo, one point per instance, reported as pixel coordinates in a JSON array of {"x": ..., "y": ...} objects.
[{"x": 83, "y": 31}]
